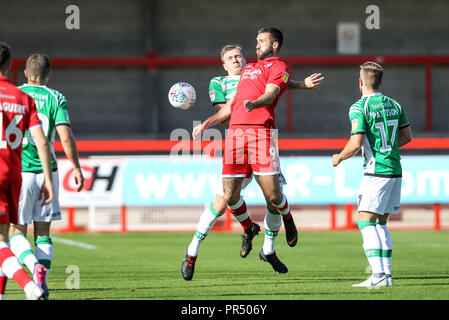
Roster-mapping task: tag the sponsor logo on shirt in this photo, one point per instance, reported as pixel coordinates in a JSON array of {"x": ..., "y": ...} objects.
[
  {"x": 252, "y": 74},
  {"x": 354, "y": 123}
]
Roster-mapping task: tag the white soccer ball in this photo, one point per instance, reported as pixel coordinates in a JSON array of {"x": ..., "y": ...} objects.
[{"x": 182, "y": 95}]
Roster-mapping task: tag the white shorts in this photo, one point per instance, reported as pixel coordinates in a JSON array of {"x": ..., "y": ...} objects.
[
  {"x": 380, "y": 195},
  {"x": 30, "y": 207}
]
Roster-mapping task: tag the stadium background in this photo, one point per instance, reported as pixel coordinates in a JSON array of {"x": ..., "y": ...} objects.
[{"x": 117, "y": 68}]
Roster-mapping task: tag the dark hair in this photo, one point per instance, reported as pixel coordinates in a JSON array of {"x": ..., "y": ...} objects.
[
  {"x": 372, "y": 74},
  {"x": 5, "y": 55},
  {"x": 38, "y": 66},
  {"x": 275, "y": 34}
]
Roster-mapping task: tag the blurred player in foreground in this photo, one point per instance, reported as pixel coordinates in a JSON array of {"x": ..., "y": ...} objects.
[
  {"x": 18, "y": 113},
  {"x": 52, "y": 111},
  {"x": 379, "y": 127}
]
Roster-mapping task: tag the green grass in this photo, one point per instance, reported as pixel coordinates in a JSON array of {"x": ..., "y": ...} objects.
[{"x": 322, "y": 267}]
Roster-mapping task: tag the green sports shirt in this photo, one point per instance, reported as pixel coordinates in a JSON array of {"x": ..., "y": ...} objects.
[
  {"x": 379, "y": 118},
  {"x": 223, "y": 89},
  {"x": 51, "y": 108}
]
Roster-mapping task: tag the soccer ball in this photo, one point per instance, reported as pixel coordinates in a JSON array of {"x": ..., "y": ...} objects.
[{"x": 182, "y": 95}]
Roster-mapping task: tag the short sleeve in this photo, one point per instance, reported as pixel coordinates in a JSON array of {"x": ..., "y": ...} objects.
[
  {"x": 62, "y": 114},
  {"x": 357, "y": 119},
  {"x": 216, "y": 92},
  {"x": 279, "y": 75}
]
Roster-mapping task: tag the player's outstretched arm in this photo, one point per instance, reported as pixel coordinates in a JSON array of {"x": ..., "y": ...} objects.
[
  {"x": 223, "y": 114},
  {"x": 310, "y": 83},
  {"x": 43, "y": 150},
  {"x": 69, "y": 145},
  {"x": 351, "y": 148}
]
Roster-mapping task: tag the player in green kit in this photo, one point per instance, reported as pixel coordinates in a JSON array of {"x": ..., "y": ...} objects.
[
  {"x": 222, "y": 90},
  {"x": 379, "y": 127},
  {"x": 52, "y": 111}
]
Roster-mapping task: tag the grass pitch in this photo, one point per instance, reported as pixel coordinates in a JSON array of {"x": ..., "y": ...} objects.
[{"x": 323, "y": 266}]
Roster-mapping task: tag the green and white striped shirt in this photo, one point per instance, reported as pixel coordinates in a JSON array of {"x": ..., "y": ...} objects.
[{"x": 379, "y": 118}]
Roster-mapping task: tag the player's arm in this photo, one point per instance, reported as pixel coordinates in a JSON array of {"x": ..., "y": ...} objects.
[
  {"x": 310, "y": 83},
  {"x": 223, "y": 114},
  {"x": 43, "y": 150},
  {"x": 218, "y": 107},
  {"x": 404, "y": 136},
  {"x": 351, "y": 148},
  {"x": 69, "y": 145},
  {"x": 271, "y": 91}
]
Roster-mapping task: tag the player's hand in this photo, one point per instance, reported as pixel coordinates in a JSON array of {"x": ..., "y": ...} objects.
[
  {"x": 79, "y": 179},
  {"x": 336, "y": 159},
  {"x": 248, "y": 105},
  {"x": 197, "y": 132},
  {"x": 46, "y": 193},
  {"x": 313, "y": 81}
]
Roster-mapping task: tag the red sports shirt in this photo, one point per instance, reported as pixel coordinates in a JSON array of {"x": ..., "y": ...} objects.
[
  {"x": 17, "y": 113},
  {"x": 253, "y": 81}
]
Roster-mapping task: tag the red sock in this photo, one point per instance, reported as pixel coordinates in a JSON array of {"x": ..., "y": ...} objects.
[
  {"x": 284, "y": 210},
  {"x": 240, "y": 212},
  {"x": 3, "y": 280},
  {"x": 11, "y": 267}
]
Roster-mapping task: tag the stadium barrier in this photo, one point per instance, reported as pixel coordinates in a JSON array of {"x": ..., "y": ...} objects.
[
  {"x": 152, "y": 62},
  {"x": 161, "y": 193}
]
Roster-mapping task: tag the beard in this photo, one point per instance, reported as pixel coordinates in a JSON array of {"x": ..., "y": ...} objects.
[{"x": 265, "y": 54}]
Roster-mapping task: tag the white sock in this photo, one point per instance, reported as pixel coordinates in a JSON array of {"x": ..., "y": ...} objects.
[
  {"x": 272, "y": 224},
  {"x": 372, "y": 246},
  {"x": 23, "y": 250},
  {"x": 44, "y": 252},
  {"x": 207, "y": 221},
  {"x": 387, "y": 246}
]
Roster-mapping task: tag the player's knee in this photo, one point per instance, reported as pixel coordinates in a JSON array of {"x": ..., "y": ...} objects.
[{"x": 220, "y": 204}]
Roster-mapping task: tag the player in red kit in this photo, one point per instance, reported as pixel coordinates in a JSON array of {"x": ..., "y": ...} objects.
[
  {"x": 17, "y": 113},
  {"x": 251, "y": 140}
]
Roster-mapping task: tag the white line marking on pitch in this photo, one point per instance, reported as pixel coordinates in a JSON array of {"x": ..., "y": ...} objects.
[{"x": 75, "y": 243}]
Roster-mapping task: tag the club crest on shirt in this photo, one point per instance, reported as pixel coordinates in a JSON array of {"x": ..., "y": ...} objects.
[
  {"x": 212, "y": 95},
  {"x": 285, "y": 77}
]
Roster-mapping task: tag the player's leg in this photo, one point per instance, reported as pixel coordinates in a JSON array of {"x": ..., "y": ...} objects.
[
  {"x": 205, "y": 224},
  {"x": 273, "y": 219},
  {"x": 10, "y": 266},
  {"x": 21, "y": 247},
  {"x": 272, "y": 223},
  {"x": 387, "y": 246},
  {"x": 382, "y": 228},
  {"x": 374, "y": 197},
  {"x": 271, "y": 188},
  {"x": 44, "y": 253},
  {"x": 28, "y": 203},
  {"x": 3, "y": 280}
]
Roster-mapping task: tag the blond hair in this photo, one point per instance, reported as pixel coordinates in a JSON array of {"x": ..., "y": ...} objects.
[
  {"x": 372, "y": 73},
  {"x": 230, "y": 47}
]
